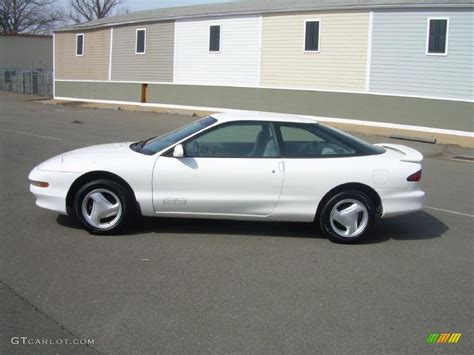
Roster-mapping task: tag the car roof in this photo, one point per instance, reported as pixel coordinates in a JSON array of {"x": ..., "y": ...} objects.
[{"x": 261, "y": 116}]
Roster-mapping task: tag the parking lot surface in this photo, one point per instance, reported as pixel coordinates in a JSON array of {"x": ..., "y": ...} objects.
[{"x": 192, "y": 286}]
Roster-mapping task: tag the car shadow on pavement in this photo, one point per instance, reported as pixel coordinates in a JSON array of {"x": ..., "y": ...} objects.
[
  {"x": 146, "y": 225},
  {"x": 228, "y": 227},
  {"x": 418, "y": 226}
]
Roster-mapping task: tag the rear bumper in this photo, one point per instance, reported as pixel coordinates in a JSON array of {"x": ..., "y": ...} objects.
[
  {"x": 399, "y": 202},
  {"x": 54, "y": 196}
]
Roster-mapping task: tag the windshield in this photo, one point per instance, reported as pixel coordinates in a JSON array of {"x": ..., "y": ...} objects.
[{"x": 155, "y": 145}]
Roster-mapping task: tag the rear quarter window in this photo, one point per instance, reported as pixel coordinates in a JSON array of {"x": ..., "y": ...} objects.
[{"x": 299, "y": 140}]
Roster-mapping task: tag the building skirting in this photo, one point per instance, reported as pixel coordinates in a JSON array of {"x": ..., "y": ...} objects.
[{"x": 418, "y": 114}]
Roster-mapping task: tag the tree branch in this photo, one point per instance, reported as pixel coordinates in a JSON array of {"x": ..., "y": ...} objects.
[
  {"x": 88, "y": 10},
  {"x": 31, "y": 16}
]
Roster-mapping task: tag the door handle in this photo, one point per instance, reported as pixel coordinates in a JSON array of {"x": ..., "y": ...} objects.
[{"x": 281, "y": 166}]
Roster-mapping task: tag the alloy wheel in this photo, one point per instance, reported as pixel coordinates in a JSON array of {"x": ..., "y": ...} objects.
[
  {"x": 102, "y": 209},
  {"x": 349, "y": 218}
]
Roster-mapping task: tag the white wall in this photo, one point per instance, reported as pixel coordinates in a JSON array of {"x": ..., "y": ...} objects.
[{"x": 238, "y": 62}]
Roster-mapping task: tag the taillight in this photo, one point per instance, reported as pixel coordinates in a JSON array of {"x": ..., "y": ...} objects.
[{"x": 415, "y": 177}]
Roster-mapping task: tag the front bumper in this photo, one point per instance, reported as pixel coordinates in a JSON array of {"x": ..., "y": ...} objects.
[
  {"x": 54, "y": 196},
  {"x": 398, "y": 202}
]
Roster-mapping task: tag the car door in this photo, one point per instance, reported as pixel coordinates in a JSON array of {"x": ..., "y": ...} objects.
[
  {"x": 233, "y": 169},
  {"x": 314, "y": 164}
]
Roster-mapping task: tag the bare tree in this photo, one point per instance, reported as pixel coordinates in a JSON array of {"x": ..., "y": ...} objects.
[
  {"x": 30, "y": 16},
  {"x": 88, "y": 10}
]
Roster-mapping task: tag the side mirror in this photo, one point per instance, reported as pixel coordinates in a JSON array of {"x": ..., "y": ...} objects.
[{"x": 178, "y": 151}]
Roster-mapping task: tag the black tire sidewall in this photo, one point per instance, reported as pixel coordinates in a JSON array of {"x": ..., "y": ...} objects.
[
  {"x": 112, "y": 186},
  {"x": 325, "y": 222}
]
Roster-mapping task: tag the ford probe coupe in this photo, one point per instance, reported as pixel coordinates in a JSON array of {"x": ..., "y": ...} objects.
[{"x": 237, "y": 166}]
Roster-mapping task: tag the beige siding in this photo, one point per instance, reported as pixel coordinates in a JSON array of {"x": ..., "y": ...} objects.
[
  {"x": 340, "y": 65},
  {"x": 93, "y": 65},
  {"x": 156, "y": 65}
]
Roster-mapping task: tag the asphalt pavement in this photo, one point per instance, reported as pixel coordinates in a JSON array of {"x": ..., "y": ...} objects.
[{"x": 194, "y": 286}]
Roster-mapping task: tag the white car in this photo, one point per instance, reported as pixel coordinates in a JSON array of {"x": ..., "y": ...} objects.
[{"x": 239, "y": 166}]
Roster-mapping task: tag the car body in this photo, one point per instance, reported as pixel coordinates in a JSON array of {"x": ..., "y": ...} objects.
[{"x": 241, "y": 166}]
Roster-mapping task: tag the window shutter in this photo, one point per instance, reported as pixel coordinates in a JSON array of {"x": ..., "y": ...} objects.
[
  {"x": 80, "y": 45},
  {"x": 140, "y": 41},
  {"x": 215, "y": 39},
  {"x": 437, "y": 36},
  {"x": 312, "y": 36}
]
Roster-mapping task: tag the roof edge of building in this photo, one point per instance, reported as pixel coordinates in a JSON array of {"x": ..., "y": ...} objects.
[
  {"x": 24, "y": 35},
  {"x": 85, "y": 26}
]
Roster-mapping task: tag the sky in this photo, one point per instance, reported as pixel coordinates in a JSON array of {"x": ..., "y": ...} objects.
[{"x": 136, "y": 5}]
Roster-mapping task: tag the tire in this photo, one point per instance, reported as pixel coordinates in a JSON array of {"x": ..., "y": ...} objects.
[
  {"x": 103, "y": 207},
  {"x": 347, "y": 217}
]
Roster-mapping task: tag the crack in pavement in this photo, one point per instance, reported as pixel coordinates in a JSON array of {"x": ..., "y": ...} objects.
[{"x": 46, "y": 316}]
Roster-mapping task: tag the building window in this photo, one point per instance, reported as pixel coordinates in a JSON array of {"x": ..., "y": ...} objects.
[
  {"x": 312, "y": 35},
  {"x": 9, "y": 76},
  {"x": 80, "y": 44},
  {"x": 215, "y": 39},
  {"x": 140, "y": 46},
  {"x": 437, "y": 36}
]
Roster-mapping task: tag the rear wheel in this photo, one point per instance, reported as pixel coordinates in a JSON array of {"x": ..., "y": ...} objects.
[
  {"x": 103, "y": 207},
  {"x": 347, "y": 217}
]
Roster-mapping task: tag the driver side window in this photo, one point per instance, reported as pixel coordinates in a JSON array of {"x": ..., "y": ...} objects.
[{"x": 236, "y": 140}]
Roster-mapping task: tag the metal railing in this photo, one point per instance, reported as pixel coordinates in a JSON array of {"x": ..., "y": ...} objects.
[{"x": 27, "y": 82}]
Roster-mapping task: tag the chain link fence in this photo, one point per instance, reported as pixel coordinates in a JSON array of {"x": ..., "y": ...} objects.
[{"x": 27, "y": 82}]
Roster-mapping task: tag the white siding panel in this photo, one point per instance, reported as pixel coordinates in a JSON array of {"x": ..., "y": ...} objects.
[
  {"x": 236, "y": 64},
  {"x": 400, "y": 64}
]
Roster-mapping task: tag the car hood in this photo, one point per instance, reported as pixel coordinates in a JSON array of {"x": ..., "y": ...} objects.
[{"x": 83, "y": 159}]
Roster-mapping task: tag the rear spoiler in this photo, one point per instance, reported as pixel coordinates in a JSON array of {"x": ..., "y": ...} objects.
[{"x": 407, "y": 154}]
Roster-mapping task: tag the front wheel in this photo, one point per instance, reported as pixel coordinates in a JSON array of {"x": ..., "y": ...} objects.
[
  {"x": 347, "y": 217},
  {"x": 103, "y": 207}
]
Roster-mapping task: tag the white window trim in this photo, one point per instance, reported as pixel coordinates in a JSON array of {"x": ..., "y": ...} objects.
[
  {"x": 427, "y": 52},
  {"x": 319, "y": 35},
  {"x": 83, "y": 44},
  {"x": 136, "y": 41},
  {"x": 209, "y": 39}
]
